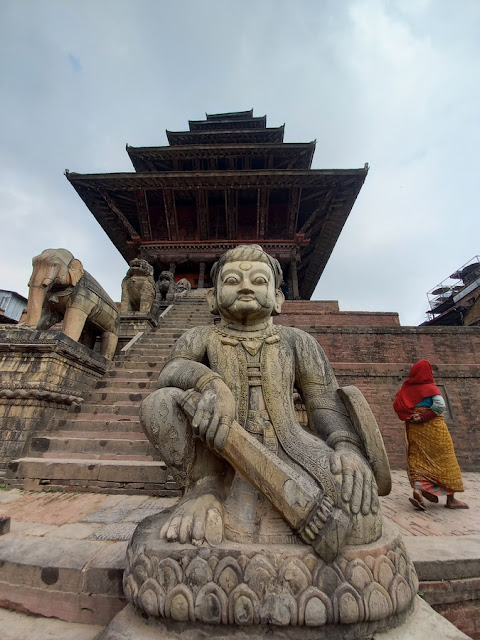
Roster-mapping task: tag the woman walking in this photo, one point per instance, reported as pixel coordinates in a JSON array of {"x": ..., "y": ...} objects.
[{"x": 432, "y": 466}]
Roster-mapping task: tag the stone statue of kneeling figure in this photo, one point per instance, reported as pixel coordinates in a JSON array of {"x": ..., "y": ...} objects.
[{"x": 224, "y": 421}]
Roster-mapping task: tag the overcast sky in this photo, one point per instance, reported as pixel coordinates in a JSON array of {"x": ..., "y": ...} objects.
[{"x": 394, "y": 83}]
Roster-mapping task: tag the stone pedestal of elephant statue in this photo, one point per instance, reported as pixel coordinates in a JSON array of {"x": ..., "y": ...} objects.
[
  {"x": 138, "y": 287},
  {"x": 60, "y": 289}
]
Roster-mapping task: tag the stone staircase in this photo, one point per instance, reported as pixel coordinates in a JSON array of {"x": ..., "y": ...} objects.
[{"x": 101, "y": 447}]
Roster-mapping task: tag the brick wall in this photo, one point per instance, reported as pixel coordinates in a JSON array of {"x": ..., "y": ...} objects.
[
  {"x": 304, "y": 313},
  {"x": 456, "y": 600},
  {"x": 377, "y": 357}
]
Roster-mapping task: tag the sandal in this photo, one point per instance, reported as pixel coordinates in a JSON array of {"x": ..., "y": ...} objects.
[
  {"x": 457, "y": 505},
  {"x": 417, "y": 501}
]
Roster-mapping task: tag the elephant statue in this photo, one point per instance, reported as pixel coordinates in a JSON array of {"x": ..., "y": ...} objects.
[
  {"x": 59, "y": 288},
  {"x": 138, "y": 287},
  {"x": 182, "y": 287},
  {"x": 166, "y": 286}
]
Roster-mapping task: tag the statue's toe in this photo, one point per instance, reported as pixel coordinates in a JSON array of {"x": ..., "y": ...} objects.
[{"x": 214, "y": 527}]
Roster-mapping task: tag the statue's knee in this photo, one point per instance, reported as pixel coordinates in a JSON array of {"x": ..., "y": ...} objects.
[{"x": 165, "y": 424}]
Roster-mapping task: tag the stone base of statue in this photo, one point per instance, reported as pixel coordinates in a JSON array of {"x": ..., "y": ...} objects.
[
  {"x": 246, "y": 588},
  {"x": 423, "y": 622}
]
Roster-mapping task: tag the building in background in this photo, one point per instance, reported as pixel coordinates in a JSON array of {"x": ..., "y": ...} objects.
[
  {"x": 456, "y": 300},
  {"x": 12, "y": 305},
  {"x": 228, "y": 180}
]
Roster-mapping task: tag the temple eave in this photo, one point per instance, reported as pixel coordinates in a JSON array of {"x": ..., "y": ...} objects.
[
  {"x": 273, "y": 155},
  {"x": 262, "y": 135},
  {"x": 211, "y": 179}
]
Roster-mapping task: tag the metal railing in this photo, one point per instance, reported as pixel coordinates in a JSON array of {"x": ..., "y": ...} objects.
[{"x": 452, "y": 289}]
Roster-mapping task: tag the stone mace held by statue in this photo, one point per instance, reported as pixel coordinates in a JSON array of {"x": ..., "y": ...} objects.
[{"x": 302, "y": 503}]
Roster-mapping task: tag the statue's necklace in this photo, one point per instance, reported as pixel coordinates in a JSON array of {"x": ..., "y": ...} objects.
[{"x": 252, "y": 341}]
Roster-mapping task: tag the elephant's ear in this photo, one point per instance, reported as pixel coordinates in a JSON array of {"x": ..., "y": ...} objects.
[{"x": 75, "y": 271}]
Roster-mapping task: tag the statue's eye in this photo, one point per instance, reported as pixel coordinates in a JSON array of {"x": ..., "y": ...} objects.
[
  {"x": 259, "y": 280},
  {"x": 231, "y": 280}
]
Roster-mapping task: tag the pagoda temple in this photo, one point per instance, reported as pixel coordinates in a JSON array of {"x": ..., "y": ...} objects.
[{"x": 229, "y": 179}]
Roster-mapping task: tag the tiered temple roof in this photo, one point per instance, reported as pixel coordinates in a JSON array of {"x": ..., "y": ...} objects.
[{"x": 228, "y": 180}]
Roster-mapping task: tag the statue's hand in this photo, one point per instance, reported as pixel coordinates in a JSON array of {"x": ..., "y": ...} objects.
[
  {"x": 214, "y": 413},
  {"x": 196, "y": 521},
  {"x": 358, "y": 486}
]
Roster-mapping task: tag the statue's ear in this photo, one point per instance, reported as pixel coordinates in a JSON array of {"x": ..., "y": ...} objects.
[
  {"x": 279, "y": 300},
  {"x": 75, "y": 271},
  {"x": 212, "y": 301}
]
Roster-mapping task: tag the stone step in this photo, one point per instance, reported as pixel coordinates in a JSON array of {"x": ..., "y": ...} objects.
[
  {"x": 90, "y": 422},
  {"x": 94, "y": 457},
  {"x": 109, "y": 476},
  {"x": 18, "y": 626},
  {"x": 119, "y": 408},
  {"x": 185, "y": 318},
  {"x": 161, "y": 337},
  {"x": 130, "y": 382},
  {"x": 145, "y": 356},
  {"x": 143, "y": 374},
  {"x": 81, "y": 444},
  {"x": 163, "y": 348},
  {"x": 164, "y": 345},
  {"x": 135, "y": 434},
  {"x": 149, "y": 359},
  {"x": 73, "y": 580},
  {"x": 138, "y": 363},
  {"x": 150, "y": 352},
  {"x": 98, "y": 426},
  {"x": 113, "y": 396},
  {"x": 183, "y": 322}
]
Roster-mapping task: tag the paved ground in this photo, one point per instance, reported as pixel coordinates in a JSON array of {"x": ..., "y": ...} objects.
[
  {"x": 436, "y": 521},
  {"x": 82, "y": 516},
  {"x": 431, "y": 537}
]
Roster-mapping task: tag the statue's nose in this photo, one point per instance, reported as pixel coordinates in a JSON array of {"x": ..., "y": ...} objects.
[{"x": 245, "y": 288}]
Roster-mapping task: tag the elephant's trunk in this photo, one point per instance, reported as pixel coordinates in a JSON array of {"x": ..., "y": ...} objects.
[{"x": 36, "y": 298}]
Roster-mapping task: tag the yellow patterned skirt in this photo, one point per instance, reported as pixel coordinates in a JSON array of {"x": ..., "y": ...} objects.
[{"x": 431, "y": 459}]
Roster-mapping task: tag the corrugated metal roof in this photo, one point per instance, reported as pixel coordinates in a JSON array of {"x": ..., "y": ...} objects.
[{"x": 12, "y": 303}]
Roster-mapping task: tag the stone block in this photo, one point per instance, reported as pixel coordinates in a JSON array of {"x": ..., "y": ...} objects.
[
  {"x": 423, "y": 623},
  {"x": 4, "y": 524},
  {"x": 42, "y": 374}
]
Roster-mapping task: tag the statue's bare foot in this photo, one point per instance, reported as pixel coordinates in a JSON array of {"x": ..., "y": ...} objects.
[{"x": 197, "y": 520}]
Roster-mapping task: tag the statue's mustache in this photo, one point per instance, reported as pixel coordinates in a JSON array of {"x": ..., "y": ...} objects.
[{"x": 231, "y": 298}]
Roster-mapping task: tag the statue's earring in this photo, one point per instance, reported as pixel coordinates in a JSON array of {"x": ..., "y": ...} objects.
[
  {"x": 212, "y": 301},
  {"x": 279, "y": 300}
]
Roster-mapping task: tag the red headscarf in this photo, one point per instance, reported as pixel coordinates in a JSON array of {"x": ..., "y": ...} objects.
[{"x": 417, "y": 386}]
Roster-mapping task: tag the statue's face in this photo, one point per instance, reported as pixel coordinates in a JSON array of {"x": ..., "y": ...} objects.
[{"x": 246, "y": 291}]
